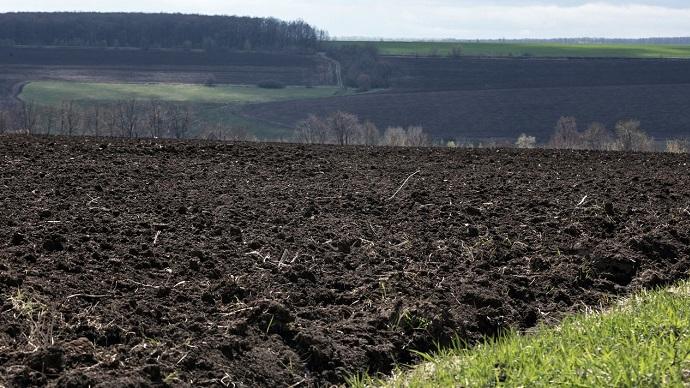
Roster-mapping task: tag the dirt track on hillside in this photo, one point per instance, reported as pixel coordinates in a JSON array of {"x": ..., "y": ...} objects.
[{"x": 204, "y": 264}]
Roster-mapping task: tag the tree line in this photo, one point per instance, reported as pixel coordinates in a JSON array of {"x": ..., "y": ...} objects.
[
  {"x": 92, "y": 29},
  {"x": 126, "y": 118},
  {"x": 344, "y": 128},
  {"x": 627, "y": 135},
  {"x": 158, "y": 119}
]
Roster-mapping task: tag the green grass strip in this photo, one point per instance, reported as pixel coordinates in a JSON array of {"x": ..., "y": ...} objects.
[
  {"x": 644, "y": 341},
  {"x": 54, "y": 92},
  {"x": 500, "y": 49}
]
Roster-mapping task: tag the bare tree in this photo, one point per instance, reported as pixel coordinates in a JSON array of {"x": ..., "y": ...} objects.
[
  {"x": 93, "y": 120},
  {"x": 312, "y": 130},
  {"x": 4, "y": 121},
  {"x": 632, "y": 138},
  {"x": 156, "y": 122},
  {"x": 369, "y": 134},
  {"x": 597, "y": 137},
  {"x": 69, "y": 118},
  {"x": 566, "y": 134},
  {"x": 49, "y": 119},
  {"x": 215, "y": 131},
  {"x": 110, "y": 119},
  {"x": 395, "y": 136},
  {"x": 238, "y": 133},
  {"x": 28, "y": 116},
  {"x": 128, "y": 117},
  {"x": 179, "y": 119},
  {"x": 416, "y": 137},
  {"x": 345, "y": 127},
  {"x": 222, "y": 131}
]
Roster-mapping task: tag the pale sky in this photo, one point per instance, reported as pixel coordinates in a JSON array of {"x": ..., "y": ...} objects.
[{"x": 435, "y": 19}]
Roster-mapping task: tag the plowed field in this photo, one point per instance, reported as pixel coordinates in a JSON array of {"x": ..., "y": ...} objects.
[{"x": 138, "y": 263}]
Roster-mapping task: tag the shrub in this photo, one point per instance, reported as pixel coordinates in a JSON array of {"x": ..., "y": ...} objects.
[
  {"x": 455, "y": 52},
  {"x": 210, "y": 81},
  {"x": 312, "y": 130},
  {"x": 525, "y": 141},
  {"x": 369, "y": 133},
  {"x": 630, "y": 137},
  {"x": 416, "y": 137},
  {"x": 565, "y": 135},
  {"x": 395, "y": 137},
  {"x": 363, "y": 83},
  {"x": 271, "y": 84},
  {"x": 678, "y": 146},
  {"x": 344, "y": 127},
  {"x": 597, "y": 137}
]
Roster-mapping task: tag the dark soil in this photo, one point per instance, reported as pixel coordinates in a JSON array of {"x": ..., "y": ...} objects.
[
  {"x": 204, "y": 264},
  {"x": 663, "y": 110},
  {"x": 83, "y": 56},
  {"x": 515, "y": 73}
]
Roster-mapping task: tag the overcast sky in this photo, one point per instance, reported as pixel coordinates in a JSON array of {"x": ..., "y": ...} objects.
[{"x": 437, "y": 19}]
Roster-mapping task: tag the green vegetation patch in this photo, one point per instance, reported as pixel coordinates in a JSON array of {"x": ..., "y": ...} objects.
[
  {"x": 644, "y": 341},
  {"x": 528, "y": 49},
  {"x": 211, "y": 116},
  {"x": 54, "y": 92}
]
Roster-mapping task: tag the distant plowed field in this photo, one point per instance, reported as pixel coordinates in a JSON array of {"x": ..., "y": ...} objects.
[
  {"x": 511, "y": 73},
  {"x": 478, "y": 98},
  {"x": 140, "y": 263},
  {"x": 78, "y": 56},
  {"x": 465, "y": 98},
  {"x": 664, "y": 110}
]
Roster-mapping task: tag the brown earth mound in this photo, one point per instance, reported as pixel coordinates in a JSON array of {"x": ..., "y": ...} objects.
[{"x": 206, "y": 264}]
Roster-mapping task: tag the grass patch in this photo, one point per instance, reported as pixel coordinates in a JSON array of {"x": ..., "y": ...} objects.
[
  {"x": 54, "y": 92},
  {"x": 37, "y": 319},
  {"x": 530, "y": 49},
  {"x": 25, "y": 305},
  {"x": 211, "y": 106},
  {"x": 643, "y": 341}
]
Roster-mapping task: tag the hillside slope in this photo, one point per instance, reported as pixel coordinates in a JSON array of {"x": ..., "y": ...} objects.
[{"x": 479, "y": 98}]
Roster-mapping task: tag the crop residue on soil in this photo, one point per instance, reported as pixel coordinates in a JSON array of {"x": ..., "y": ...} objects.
[{"x": 155, "y": 262}]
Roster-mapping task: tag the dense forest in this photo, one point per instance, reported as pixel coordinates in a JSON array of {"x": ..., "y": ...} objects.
[{"x": 156, "y": 31}]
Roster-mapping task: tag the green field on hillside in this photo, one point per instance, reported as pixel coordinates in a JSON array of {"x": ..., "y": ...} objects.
[
  {"x": 528, "y": 49},
  {"x": 54, "y": 92},
  {"x": 211, "y": 107},
  {"x": 643, "y": 341}
]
